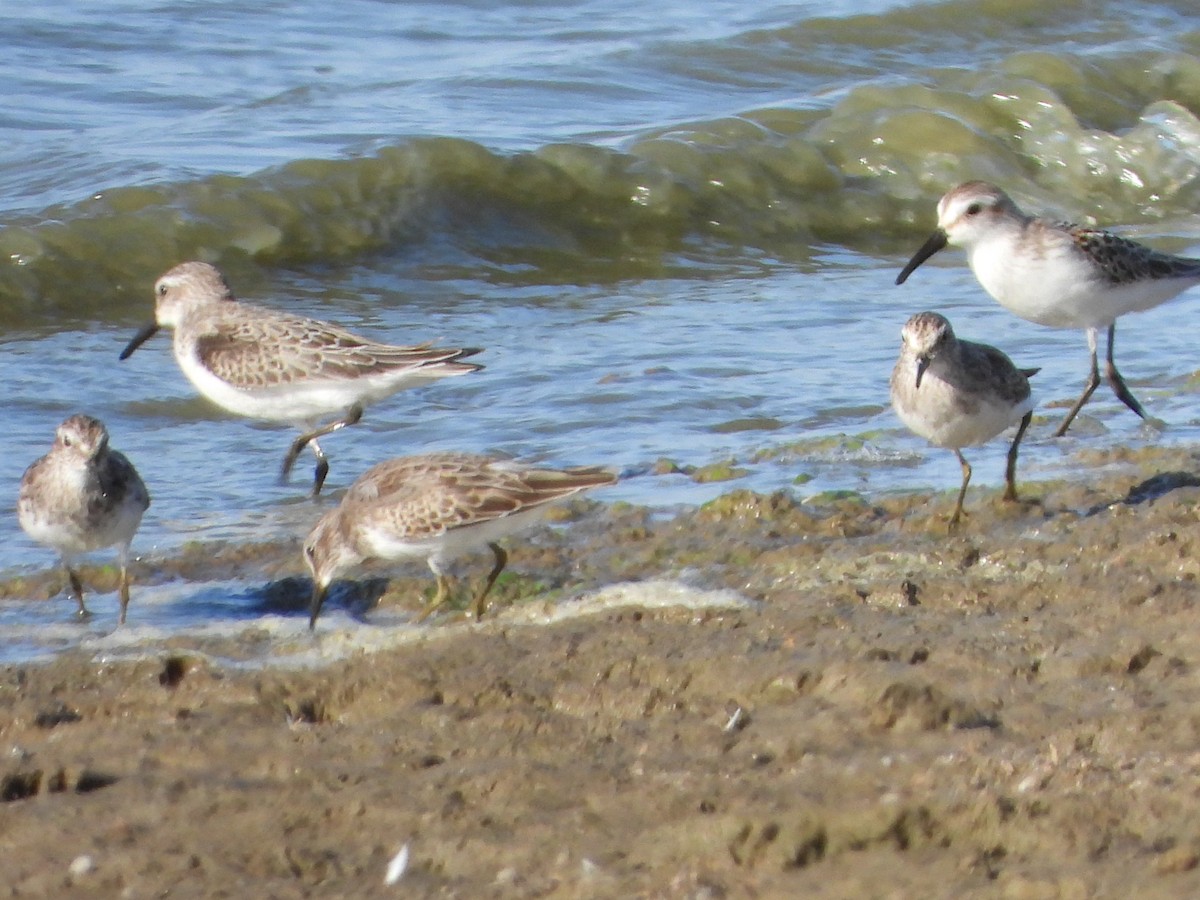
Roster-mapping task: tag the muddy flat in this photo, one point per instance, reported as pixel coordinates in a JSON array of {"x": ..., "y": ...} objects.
[{"x": 775, "y": 699}]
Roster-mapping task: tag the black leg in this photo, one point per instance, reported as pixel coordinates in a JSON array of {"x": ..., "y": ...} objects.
[
  {"x": 501, "y": 562},
  {"x": 293, "y": 453},
  {"x": 352, "y": 417},
  {"x": 1093, "y": 382},
  {"x": 322, "y": 468},
  {"x": 1010, "y": 471},
  {"x": 76, "y": 590},
  {"x": 1116, "y": 381}
]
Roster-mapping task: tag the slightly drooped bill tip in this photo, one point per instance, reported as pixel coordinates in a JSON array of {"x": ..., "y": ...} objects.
[
  {"x": 144, "y": 334},
  {"x": 936, "y": 242},
  {"x": 318, "y": 598},
  {"x": 922, "y": 365}
]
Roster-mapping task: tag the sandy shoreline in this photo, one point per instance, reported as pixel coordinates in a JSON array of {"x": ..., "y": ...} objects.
[{"x": 1009, "y": 711}]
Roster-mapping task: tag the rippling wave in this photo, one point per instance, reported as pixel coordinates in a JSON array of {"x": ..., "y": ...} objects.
[{"x": 1111, "y": 136}]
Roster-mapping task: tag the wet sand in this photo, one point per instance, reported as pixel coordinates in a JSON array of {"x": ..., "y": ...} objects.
[{"x": 1009, "y": 711}]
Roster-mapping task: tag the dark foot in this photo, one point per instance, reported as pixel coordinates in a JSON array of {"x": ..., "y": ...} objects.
[
  {"x": 293, "y": 454},
  {"x": 319, "y": 476},
  {"x": 1123, "y": 393}
]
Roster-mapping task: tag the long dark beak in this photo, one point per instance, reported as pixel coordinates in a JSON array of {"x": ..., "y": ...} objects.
[
  {"x": 922, "y": 365},
  {"x": 144, "y": 334},
  {"x": 936, "y": 242},
  {"x": 318, "y": 598}
]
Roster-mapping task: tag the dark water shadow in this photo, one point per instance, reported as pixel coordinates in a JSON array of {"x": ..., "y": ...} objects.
[{"x": 1153, "y": 488}]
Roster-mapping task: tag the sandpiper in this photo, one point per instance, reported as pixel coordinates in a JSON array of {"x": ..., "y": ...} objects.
[
  {"x": 270, "y": 365},
  {"x": 957, "y": 393},
  {"x": 83, "y": 496},
  {"x": 436, "y": 506},
  {"x": 1056, "y": 274}
]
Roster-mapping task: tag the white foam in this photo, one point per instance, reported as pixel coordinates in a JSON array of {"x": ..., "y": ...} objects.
[
  {"x": 176, "y": 612},
  {"x": 653, "y": 594}
]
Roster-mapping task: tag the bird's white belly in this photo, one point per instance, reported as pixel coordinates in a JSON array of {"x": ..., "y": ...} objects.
[
  {"x": 296, "y": 402},
  {"x": 383, "y": 542},
  {"x": 1060, "y": 288},
  {"x": 68, "y": 531},
  {"x": 933, "y": 412}
]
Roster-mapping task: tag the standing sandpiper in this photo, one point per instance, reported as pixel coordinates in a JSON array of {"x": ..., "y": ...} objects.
[
  {"x": 1056, "y": 274},
  {"x": 436, "y": 506},
  {"x": 957, "y": 393},
  {"x": 283, "y": 368},
  {"x": 82, "y": 496}
]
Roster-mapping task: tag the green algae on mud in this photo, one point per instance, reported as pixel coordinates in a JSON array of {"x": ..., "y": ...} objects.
[{"x": 593, "y": 543}]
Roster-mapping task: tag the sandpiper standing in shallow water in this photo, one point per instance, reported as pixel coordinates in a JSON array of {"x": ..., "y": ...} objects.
[
  {"x": 436, "y": 506},
  {"x": 1056, "y": 274},
  {"x": 270, "y": 365},
  {"x": 82, "y": 496},
  {"x": 957, "y": 393}
]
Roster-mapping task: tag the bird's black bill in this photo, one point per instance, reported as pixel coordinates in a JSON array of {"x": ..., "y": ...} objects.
[
  {"x": 936, "y": 242},
  {"x": 144, "y": 334},
  {"x": 318, "y": 598},
  {"x": 922, "y": 365}
]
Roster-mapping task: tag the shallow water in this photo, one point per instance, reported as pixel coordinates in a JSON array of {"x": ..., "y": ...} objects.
[{"x": 675, "y": 236}]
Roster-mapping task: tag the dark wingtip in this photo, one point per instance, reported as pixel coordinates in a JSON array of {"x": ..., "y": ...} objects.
[{"x": 144, "y": 334}]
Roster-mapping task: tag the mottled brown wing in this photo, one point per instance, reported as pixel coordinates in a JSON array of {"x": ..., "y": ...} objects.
[
  {"x": 270, "y": 348},
  {"x": 504, "y": 488},
  {"x": 1124, "y": 261},
  {"x": 392, "y": 476},
  {"x": 441, "y": 492}
]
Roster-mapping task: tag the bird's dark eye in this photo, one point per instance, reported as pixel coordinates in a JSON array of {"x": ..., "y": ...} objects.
[
  {"x": 162, "y": 290},
  {"x": 974, "y": 209},
  {"x": 310, "y": 552}
]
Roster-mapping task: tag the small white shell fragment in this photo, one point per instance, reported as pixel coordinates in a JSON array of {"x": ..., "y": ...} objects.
[
  {"x": 80, "y": 866},
  {"x": 397, "y": 867}
]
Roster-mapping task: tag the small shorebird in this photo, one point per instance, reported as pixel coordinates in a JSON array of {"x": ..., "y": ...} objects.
[
  {"x": 82, "y": 496},
  {"x": 957, "y": 393},
  {"x": 436, "y": 506},
  {"x": 270, "y": 365},
  {"x": 1056, "y": 274}
]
